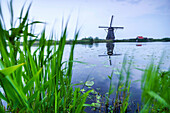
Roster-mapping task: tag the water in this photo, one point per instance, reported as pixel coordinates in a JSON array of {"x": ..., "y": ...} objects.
[{"x": 99, "y": 66}]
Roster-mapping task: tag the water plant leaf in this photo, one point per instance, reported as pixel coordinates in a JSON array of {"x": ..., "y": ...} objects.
[
  {"x": 31, "y": 81},
  {"x": 1, "y": 65},
  {"x": 140, "y": 69},
  {"x": 35, "y": 22},
  {"x": 79, "y": 62},
  {"x": 158, "y": 98},
  {"x": 93, "y": 91},
  {"x": 10, "y": 7},
  {"x": 116, "y": 72},
  {"x": 9, "y": 70},
  {"x": 15, "y": 93},
  {"x": 95, "y": 104},
  {"x": 98, "y": 89},
  {"x": 77, "y": 84},
  {"x": 1, "y": 14},
  {"x": 87, "y": 105},
  {"x": 84, "y": 96},
  {"x": 93, "y": 65},
  {"x": 106, "y": 66},
  {"x": 109, "y": 77},
  {"x": 3, "y": 97},
  {"x": 82, "y": 90},
  {"x": 2, "y": 109},
  {"x": 98, "y": 97},
  {"x": 89, "y": 83},
  {"x": 3, "y": 49},
  {"x": 136, "y": 81}
]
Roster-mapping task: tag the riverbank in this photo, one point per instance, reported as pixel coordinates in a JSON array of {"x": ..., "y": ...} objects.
[{"x": 91, "y": 41}]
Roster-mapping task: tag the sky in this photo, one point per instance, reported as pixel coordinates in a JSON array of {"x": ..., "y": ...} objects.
[{"x": 148, "y": 18}]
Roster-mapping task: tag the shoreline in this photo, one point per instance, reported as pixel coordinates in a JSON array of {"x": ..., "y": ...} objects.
[{"x": 100, "y": 41}]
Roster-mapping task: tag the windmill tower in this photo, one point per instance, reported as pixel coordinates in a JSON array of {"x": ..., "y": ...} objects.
[{"x": 110, "y": 33}]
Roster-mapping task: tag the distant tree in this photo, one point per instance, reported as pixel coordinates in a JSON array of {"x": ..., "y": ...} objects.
[
  {"x": 97, "y": 38},
  {"x": 84, "y": 38},
  {"x": 166, "y": 39},
  {"x": 90, "y": 39}
]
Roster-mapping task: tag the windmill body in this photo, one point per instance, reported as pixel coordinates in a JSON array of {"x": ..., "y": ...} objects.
[{"x": 110, "y": 33}]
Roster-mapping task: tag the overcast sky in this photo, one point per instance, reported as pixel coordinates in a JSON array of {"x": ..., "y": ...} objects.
[{"x": 148, "y": 18}]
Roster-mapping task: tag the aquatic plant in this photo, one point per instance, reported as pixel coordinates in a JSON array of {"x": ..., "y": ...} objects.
[
  {"x": 120, "y": 102},
  {"x": 155, "y": 86},
  {"x": 35, "y": 81},
  {"x": 155, "y": 91}
]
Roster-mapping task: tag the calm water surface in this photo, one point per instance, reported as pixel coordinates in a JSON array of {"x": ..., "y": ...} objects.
[{"x": 99, "y": 66}]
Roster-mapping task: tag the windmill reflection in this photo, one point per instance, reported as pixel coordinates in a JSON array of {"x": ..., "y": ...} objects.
[{"x": 110, "y": 47}]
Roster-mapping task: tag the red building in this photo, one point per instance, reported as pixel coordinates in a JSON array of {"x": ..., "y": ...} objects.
[{"x": 139, "y": 37}]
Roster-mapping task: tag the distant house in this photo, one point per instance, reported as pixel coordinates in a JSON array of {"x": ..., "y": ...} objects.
[{"x": 139, "y": 37}]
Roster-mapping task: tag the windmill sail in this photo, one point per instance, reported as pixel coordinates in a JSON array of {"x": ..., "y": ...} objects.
[
  {"x": 110, "y": 33},
  {"x": 111, "y": 21},
  {"x": 103, "y": 27},
  {"x": 118, "y": 27}
]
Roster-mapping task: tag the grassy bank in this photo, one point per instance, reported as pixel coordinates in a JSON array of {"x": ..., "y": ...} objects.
[
  {"x": 32, "y": 81},
  {"x": 91, "y": 41}
]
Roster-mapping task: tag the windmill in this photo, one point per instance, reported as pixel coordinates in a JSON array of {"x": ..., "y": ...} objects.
[{"x": 110, "y": 33}]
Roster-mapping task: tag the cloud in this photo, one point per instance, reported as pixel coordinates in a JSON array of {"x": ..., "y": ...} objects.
[
  {"x": 130, "y": 1},
  {"x": 91, "y": 13}
]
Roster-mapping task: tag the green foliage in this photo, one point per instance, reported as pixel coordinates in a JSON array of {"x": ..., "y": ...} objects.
[
  {"x": 87, "y": 40},
  {"x": 121, "y": 101},
  {"x": 123, "y": 89},
  {"x": 155, "y": 85},
  {"x": 96, "y": 38},
  {"x": 34, "y": 81}
]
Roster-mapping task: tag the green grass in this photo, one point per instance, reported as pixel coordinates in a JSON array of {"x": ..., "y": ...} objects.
[
  {"x": 35, "y": 82},
  {"x": 155, "y": 85}
]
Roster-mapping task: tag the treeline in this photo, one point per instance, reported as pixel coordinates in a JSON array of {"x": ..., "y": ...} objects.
[
  {"x": 91, "y": 40},
  {"x": 88, "y": 40},
  {"x": 97, "y": 40},
  {"x": 144, "y": 40}
]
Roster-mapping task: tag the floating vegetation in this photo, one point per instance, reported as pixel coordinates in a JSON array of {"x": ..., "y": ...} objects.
[
  {"x": 89, "y": 83},
  {"x": 117, "y": 72},
  {"x": 106, "y": 65}
]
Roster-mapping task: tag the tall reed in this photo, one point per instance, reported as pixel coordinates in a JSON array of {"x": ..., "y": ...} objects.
[
  {"x": 36, "y": 82},
  {"x": 155, "y": 86}
]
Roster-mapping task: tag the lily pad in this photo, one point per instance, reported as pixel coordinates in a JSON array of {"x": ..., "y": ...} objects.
[
  {"x": 93, "y": 92},
  {"x": 95, "y": 104},
  {"x": 82, "y": 90},
  {"x": 106, "y": 66},
  {"x": 89, "y": 83},
  {"x": 98, "y": 89}
]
